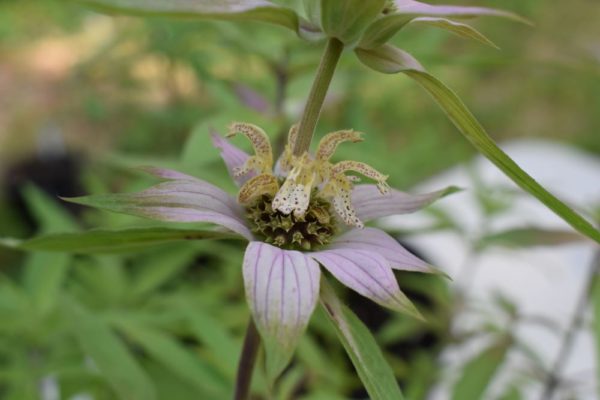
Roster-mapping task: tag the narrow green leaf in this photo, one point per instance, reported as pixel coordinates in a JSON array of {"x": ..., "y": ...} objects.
[
  {"x": 112, "y": 241},
  {"x": 347, "y": 20},
  {"x": 224, "y": 349},
  {"x": 158, "y": 267},
  {"x": 240, "y": 10},
  {"x": 531, "y": 237},
  {"x": 110, "y": 355},
  {"x": 366, "y": 356},
  {"x": 479, "y": 372},
  {"x": 50, "y": 215},
  {"x": 181, "y": 361},
  {"x": 45, "y": 273},
  {"x": 44, "y": 277},
  {"x": 388, "y": 59}
]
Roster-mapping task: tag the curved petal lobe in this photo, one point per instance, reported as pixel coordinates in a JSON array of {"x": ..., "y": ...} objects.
[
  {"x": 282, "y": 289},
  {"x": 371, "y": 204},
  {"x": 377, "y": 241},
  {"x": 369, "y": 274}
]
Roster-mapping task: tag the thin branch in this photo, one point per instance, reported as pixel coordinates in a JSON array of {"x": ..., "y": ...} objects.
[{"x": 553, "y": 377}]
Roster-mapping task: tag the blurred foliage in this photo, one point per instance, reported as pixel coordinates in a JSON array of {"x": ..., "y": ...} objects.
[{"x": 84, "y": 97}]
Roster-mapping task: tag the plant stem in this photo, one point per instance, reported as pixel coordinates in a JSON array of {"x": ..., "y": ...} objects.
[
  {"x": 247, "y": 361},
  {"x": 553, "y": 377},
  {"x": 312, "y": 110}
]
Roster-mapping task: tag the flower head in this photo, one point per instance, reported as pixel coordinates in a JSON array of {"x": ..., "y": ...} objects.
[{"x": 299, "y": 213}]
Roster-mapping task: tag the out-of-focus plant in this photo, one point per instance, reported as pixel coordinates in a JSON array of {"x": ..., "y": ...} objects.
[{"x": 286, "y": 209}]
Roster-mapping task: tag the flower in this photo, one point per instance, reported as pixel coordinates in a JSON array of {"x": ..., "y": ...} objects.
[{"x": 284, "y": 210}]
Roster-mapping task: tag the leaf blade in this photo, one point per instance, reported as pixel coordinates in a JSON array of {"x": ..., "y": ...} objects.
[
  {"x": 479, "y": 372},
  {"x": 172, "y": 354},
  {"x": 110, "y": 355},
  {"x": 99, "y": 241},
  {"x": 366, "y": 356},
  {"x": 388, "y": 59}
]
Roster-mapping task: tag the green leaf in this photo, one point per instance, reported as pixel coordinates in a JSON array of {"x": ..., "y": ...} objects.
[
  {"x": 367, "y": 358},
  {"x": 50, "y": 215},
  {"x": 111, "y": 357},
  {"x": 530, "y": 237},
  {"x": 239, "y": 10},
  {"x": 312, "y": 9},
  {"x": 382, "y": 30},
  {"x": 112, "y": 241},
  {"x": 158, "y": 267},
  {"x": 347, "y": 20},
  {"x": 224, "y": 349},
  {"x": 388, "y": 59},
  {"x": 45, "y": 273},
  {"x": 181, "y": 361},
  {"x": 479, "y": 372}
]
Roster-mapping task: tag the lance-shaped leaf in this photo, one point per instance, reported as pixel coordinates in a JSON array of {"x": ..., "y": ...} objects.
[
  {"x": 388, "y": 59},
  {"x": 384, "y": 28},
  {"x": 178, "y": 200},
  {"x": 479, "y": 373},
  {"x": 171, "y": 353},
  {"x": 100, "y": 241},
  {"x": 282, "y": 288},
  {"x": 241, "y": 10},
  {"x": 373, "y": 370},
  {"x": 530, "y": 237},
  {"x": 110, "y": 355},
  {"x": 347, "y": 20}
]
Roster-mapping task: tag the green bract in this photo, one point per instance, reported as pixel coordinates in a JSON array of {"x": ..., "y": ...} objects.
[{"x": 347, "y": 20}]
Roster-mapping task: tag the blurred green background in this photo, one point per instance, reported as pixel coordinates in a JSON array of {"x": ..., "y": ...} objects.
[{"x": 84, "y": 97}]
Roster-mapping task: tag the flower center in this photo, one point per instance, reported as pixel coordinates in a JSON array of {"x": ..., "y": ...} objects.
[{"x": 307, "y": 232}]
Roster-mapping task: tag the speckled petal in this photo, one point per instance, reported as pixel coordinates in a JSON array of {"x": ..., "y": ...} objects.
[
  {"x": 282, "y": 289},
  {"x": 233, "y": 157},
  {"x": 367, "y": 273},
  {"x": 377, "y": 241},
  {"x": 371, "y": 204}
]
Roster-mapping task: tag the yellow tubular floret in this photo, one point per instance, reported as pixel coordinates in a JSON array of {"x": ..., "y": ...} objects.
[
  {"x": 294, "y": 195},
  {"x": 285, "y": 162},
  {"x": 257, "y": 186},
  {"x": 339, "y": 191},
  {"x": 262, "y": 161},
  {"x": 363, "y": 169},
  {"x": 331, "y": 141}
]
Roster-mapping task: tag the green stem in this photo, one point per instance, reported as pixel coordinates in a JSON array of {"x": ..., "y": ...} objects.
[
  {"x": 247, "y": 361},
  {"x": 312, "y": 110}
]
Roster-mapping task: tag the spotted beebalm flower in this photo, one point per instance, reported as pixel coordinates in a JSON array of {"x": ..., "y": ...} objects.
[{"x": 302, "y": 212}]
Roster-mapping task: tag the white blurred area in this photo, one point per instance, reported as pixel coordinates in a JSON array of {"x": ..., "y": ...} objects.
[{"x": 542, "y": 281}]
